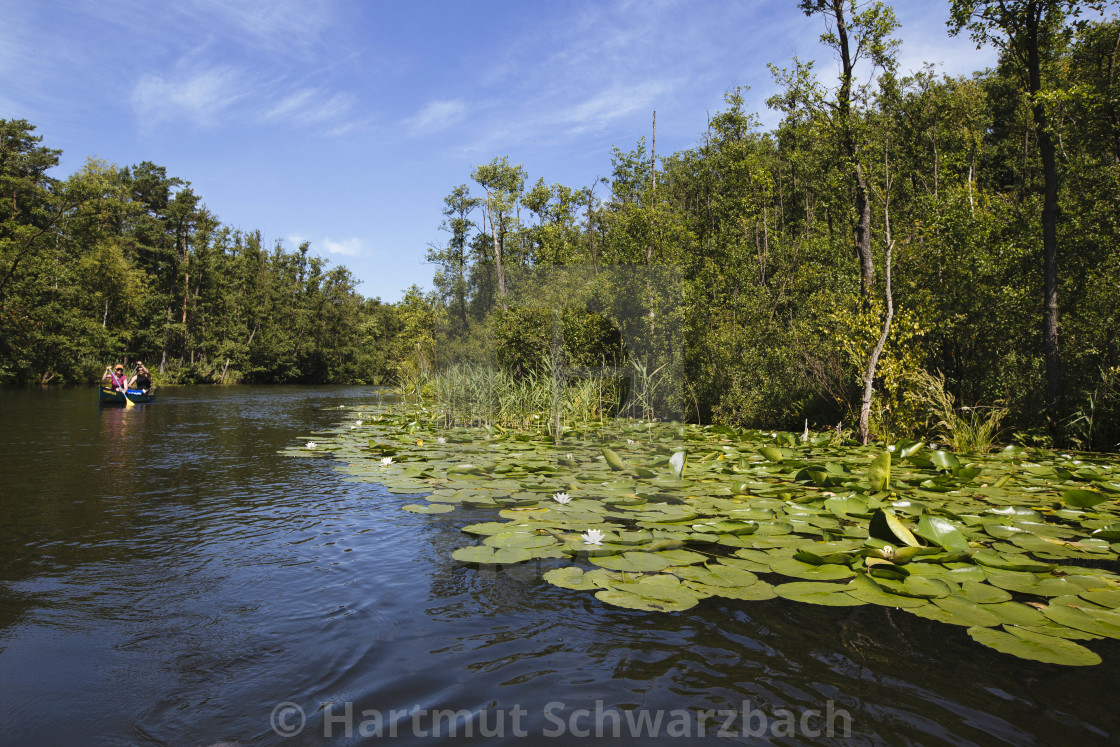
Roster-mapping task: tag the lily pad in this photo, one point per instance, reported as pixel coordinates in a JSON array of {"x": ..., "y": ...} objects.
[
  {"x": 942, "y": 533},
  {"x": 887, "y": 527},
  {"x": 431, "y": 508},
  {"x": 1034, "y": 646},
  {"x": 1083, "y": 498},
  {"x": 483, "y": 555},
  {"x": 984, "y": 593},
  {"x": 813, "y": 592},
  {"x": 879, "y": 473},
  {"x": 633, "y": 562}
]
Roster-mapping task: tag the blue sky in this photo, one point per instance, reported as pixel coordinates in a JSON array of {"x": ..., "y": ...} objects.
[{"x": 346, "y": 123}]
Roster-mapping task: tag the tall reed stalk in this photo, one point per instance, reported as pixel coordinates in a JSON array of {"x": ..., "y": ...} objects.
[
  {"x": 472, "y": 395},
  {"x": 964, "y": 429}
]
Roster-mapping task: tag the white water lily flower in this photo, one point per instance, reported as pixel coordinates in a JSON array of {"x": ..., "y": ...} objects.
[
  {"x": 441, "y": 440},
  {"x": 630, "y": 441},
  {"x": 386, "y": 461},
  {"x": 357, "y": 422},
  {"x": 311, "y": 444},
  {"x": 562, "y": 498},
  {"x": 592, "y": 537},
  {"x": 891, "y": 447}
]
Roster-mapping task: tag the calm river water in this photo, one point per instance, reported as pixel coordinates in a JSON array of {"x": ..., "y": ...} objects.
[{"x": 167, "y": 578}]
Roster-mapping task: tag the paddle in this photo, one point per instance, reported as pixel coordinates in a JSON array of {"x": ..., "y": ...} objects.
[{"x": 123, "y": 384}]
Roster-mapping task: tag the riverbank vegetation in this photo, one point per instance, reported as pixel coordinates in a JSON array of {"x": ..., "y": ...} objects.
[
  {"x": 894, "y": 255},
  {"x": 129, "y": 260},
  {"x": 903, "y": 252}
]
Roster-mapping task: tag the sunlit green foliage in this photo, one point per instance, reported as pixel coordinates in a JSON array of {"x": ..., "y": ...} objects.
[
  {"x": 779, "y": 239},
  {"x": 1018, "y": 547},
  {"x": 128, "y": 262}
]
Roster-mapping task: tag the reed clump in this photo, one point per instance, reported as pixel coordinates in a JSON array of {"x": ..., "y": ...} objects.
[
  {"x": 479, "y": 395},
  {"x": 964, "y": 429}
]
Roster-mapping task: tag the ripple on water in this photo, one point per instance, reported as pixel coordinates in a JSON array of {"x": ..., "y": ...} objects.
[{"x": 174, "y": 579}]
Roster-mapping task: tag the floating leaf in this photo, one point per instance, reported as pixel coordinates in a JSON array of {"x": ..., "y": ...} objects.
[
  {"x": 1006, "y": 563},
  {"x": 887, "y": 527},
  {"x": 980, "y": 593},
  {"x": 942, "y": 533},
  {"x": 1072, "y": 617},
  {"x": 527, "y": 540},
  {"x": 1034, "y": 646},
  {"x": 682, "y": 557},
  {"x": 613, "y": 460},
  {"x": 1105, "y": 597},
  {"x": 813, "y": 592},
  {"x": 484, "y": 555},
  {"x": 433, "y": 508},
  {"x": 879, "y": 473},
  {"x": 569, "y": 577},
  {"x": 956, "y": 610},
  {"x": 797, "y": 569},
  {"x": 654, "y": 593},
  {"x": 772, "y": 453},
  {"x": 632, "y": 562},
  {"x": 1083, "y": 498},
  {"x": 945, "y": 460},
  {"x": 863, "y": 588},
  {"x": 757, "y": 592}
]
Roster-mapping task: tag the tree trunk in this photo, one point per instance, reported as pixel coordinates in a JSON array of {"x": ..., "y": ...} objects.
[
  {"x": 873, "y": 362},
  {"x": 861, "y": 233},
  {"x": 497, "y": 253},
  {"x": 869, "y": 375},
  {"x": 862, "y": 236},
  {"x": 1046, "y": 151},
  {"x": 166, "y": 329}
]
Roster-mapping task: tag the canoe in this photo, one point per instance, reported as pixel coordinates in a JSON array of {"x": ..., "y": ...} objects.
[{"x": 107, "y": 396}]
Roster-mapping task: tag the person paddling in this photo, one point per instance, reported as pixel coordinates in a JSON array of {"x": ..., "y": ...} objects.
[
  {"x": 142, "y": 380},
  {"x": 115, "y": 376}
]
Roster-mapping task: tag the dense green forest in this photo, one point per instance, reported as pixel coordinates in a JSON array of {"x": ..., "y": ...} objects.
[
  {"x": 905, "y": 247},
  {"x": 991, "y": 202},
  {"x": 128, "y": 261}
]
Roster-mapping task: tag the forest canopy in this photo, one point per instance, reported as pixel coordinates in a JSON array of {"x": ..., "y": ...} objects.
[{"x": 990, "y": 201}]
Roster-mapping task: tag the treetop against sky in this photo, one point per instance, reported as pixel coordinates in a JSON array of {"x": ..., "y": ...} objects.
[{"x": 346, "y": 123}]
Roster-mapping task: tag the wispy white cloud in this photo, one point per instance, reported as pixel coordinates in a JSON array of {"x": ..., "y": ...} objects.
[
  {"x": 436, "y": 115},
  {"x": 276, "y": 25},
  {"x": 309, "y": 106},
  {"x": 200, "y": 94},
  {"x": 351, "y": 247},
  {"x": 346, "y": 247},
  {"x": 605, "y": 107}
]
